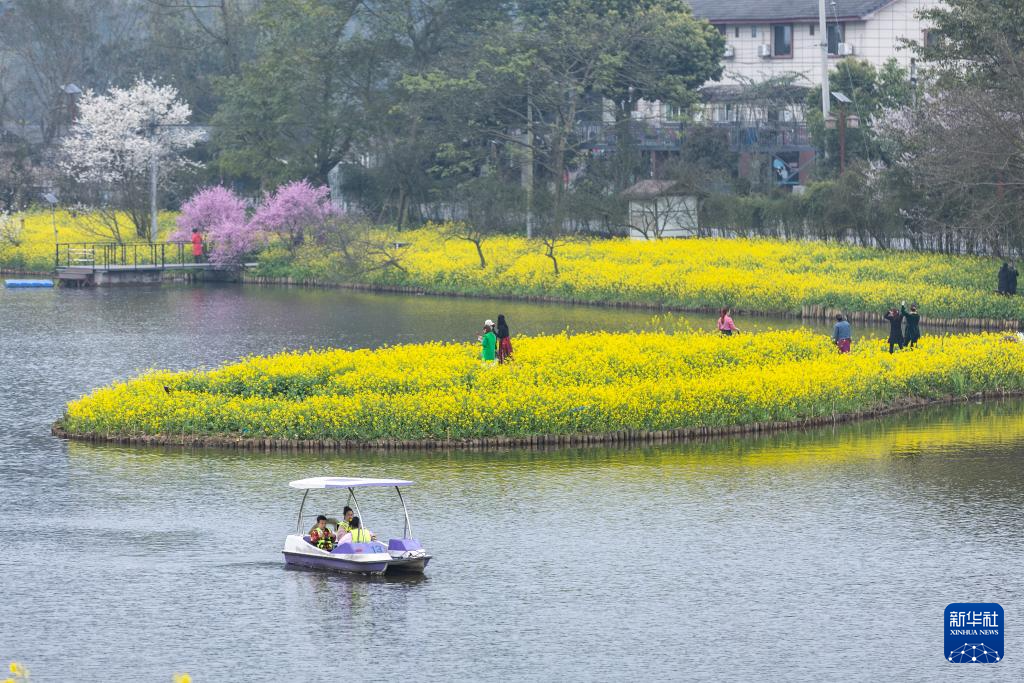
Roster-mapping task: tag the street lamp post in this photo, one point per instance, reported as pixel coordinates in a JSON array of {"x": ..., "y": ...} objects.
[
  {"x": 51, "y": 199},
  {"x": 840, "y": 121}
]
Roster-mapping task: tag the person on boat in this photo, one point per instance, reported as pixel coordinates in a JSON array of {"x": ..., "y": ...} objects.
[
  {"x": 345, "y": 525},
  {"x": 725, "y": 324},
  {"x": 842, "y": 333},
  {"x": 488, "y": 342},
  {"x": 895, "y": 328},
  {"x": 912, "y": 330},
  {"x": 320, "y": 535},
  {"x": 504, "y": 341},
  {"x": 357, "y": 534}
]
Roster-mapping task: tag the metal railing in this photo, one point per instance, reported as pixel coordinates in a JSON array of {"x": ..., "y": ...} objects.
[
  {"x": 764, "y": 135},
  {"x": 123, "y": 256},
  {"x": 742, "y": 136}
]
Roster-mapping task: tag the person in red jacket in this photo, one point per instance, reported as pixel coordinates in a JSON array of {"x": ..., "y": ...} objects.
[{"x": 197, "y": 246}]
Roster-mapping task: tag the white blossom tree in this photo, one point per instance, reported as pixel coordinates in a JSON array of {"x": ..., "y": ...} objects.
[{"x": 114, "y": 142}]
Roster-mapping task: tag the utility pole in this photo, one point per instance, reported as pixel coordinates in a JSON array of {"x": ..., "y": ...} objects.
[
  {"x": 526, "y": 172},
  {"x": 154, "y": 169},
  {"x": 913, "y": 81},
  {"x": 823, "y": 32}
]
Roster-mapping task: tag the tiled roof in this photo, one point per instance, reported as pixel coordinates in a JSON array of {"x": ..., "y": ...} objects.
[{"x": 744, "y": 11}]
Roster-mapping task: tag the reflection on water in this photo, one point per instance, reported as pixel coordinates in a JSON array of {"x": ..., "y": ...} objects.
[{"x": 828, "y": 554}]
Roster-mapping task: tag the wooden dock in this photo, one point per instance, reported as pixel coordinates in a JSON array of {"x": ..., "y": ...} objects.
[{"x": 86, "y": 264}]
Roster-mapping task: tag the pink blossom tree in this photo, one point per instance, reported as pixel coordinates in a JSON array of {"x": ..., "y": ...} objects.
[
  {"x": 295, "y": 211},
  {"x": 219, "y": 214}
]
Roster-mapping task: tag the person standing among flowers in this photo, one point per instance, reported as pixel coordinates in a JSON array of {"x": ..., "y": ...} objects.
[
  {"x": 912, "y": 331},
  {"x": 488, "y": 342},
  {"x": 725, "y": 324},
  {"x": 197, "y": 246},
  {"x": 1011, "y": 279},
  {"x": 1004, "y": 278},
  {"x": 842, "y": 333},
  {"x": 504, "y": 342},
  {"x": 895, "y": 328}
]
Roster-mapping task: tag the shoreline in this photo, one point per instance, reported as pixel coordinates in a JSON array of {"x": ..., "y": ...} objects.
[
  {"x": 617, "y": 438},
  {"x": 808, "y": 312}
]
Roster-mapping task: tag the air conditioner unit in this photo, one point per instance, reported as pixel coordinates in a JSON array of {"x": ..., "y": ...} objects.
[
  {"x": 764, "y": 50},
  {"x": 730, "y": 52},
  {"x": 846, "y": 49}
]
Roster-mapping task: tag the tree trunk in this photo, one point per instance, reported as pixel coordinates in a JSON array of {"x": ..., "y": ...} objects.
[
  {"x": 551, "y": 255},
  {"x": 480, "y": 253}
]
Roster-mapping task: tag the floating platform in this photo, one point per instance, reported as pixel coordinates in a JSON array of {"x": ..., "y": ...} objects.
[{"x": 28, "y": 284}]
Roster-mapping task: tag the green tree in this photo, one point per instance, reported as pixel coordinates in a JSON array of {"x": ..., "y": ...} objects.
[
  {"x": 873, "y": 92},
  {"x": 961, "y": 167},
  {"x": 300, "y": 105}
]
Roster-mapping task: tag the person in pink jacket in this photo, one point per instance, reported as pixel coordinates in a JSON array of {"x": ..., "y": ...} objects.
[{"x": 725, "y": 323}]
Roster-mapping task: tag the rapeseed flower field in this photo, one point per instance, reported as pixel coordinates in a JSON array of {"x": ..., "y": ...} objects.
[
  {"x": 27, "y": 240},
  {"x": 762, "y": 275},
  {"x": 557, "y": 385},
  {"x": 751, "y": 275}
]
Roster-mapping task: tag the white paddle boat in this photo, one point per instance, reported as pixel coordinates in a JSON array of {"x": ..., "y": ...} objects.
[{"x": 400, "y": 554}]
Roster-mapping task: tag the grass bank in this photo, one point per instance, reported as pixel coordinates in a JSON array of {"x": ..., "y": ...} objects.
[
  {"x": 586, "y": 388},
  {"x": 755, "y": 275}
]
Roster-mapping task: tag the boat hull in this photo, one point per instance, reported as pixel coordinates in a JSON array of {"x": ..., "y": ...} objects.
[
  {"x": 337, "y": 564},
  {"x": 408, "y": 564},
  {"x": 358, "y": 558}
]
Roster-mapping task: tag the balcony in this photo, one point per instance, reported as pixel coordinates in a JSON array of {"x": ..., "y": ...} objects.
[
  {"x": 655, "y": 137},
  {"x": 766, "y": 136},
  {"x": 667, "y": 136}
]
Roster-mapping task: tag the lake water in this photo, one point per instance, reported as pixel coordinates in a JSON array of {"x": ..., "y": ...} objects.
[{"x": 825, "y": 555}]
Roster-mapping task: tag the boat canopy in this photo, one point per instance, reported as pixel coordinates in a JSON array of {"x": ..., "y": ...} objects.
[{"x": 344, "y": 483}]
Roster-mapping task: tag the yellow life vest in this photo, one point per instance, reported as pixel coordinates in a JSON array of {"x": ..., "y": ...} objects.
[
  {"x": 325, "y": 540},
  {"x": 360, "y": 536}
]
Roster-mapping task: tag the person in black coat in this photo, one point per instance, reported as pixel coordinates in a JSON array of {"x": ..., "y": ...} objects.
[
  {"x": 912, "y": 318},
  {"x": 1011, "y": 279},
  {"x": 895, "y": 328},
  {"x": 1004, "y": 278}
]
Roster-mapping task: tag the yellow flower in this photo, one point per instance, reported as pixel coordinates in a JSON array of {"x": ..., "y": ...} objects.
[{"x": 560, "y": 384}]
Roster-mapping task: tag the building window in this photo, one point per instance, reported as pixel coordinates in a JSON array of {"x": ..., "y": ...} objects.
[
  {"x": 753, "y": 31},
  {"x": 836, "y": 34},
  {"x": 814, "y": 29},
  {"x": 782, "y": 40},
  {"x": 931, "y": 38},
  {"x": 722, "y": 28},
  {"x": 737, "y": 31}
]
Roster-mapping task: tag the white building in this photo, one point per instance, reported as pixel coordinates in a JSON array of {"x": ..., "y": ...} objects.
[
  {"x": 767, "y": 38},
  {"x": 780, "y": 39},
  {"x": 659, "y": 209}
]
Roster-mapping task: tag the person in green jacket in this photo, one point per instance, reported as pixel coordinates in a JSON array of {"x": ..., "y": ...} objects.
[
  {"x": 913, "y": 321},
  {"x": 488, "y": 342}
]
